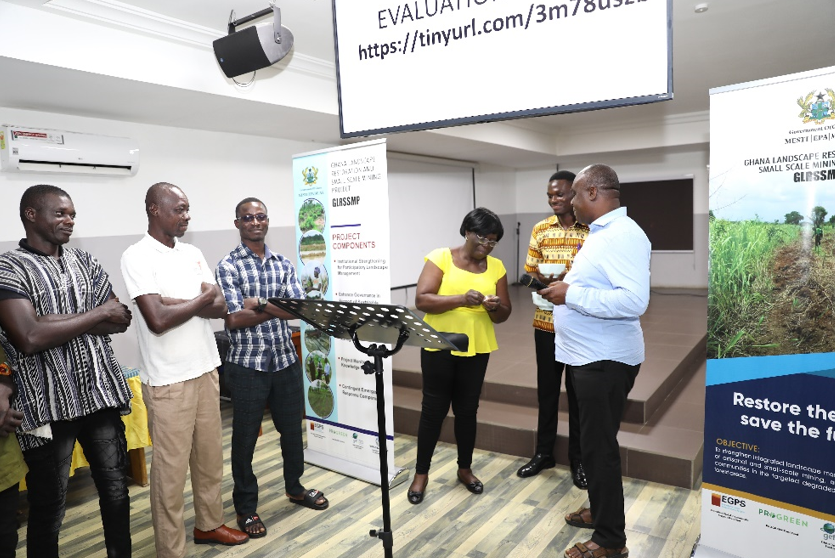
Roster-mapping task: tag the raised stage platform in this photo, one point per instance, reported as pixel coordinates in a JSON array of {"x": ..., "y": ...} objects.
[{"x": 662, "y": 432}]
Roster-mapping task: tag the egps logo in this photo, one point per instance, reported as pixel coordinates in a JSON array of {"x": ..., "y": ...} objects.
[{"x": 725, "y": 501}]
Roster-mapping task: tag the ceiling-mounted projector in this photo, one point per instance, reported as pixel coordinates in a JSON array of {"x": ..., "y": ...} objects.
[{"x": 255, "y": 47}]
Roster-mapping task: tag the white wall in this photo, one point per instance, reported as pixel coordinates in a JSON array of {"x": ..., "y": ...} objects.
[
  {"x": 684, "y": 130},
  {"x": 215, "y": 170},
  {"x": 496, "y": 189}
]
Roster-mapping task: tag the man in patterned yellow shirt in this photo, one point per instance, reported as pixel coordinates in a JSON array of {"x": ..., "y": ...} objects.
[{"x": 554, "y": 240}]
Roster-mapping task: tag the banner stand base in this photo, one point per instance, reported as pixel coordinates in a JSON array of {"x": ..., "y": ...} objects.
[
  {"x": 364, "y": 473},
  {"x": 702, "y": 551}
]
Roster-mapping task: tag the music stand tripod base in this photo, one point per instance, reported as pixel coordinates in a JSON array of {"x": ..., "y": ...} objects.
[{"x": 379, "y": 324}]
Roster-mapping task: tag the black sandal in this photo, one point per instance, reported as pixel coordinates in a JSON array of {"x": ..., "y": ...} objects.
[
  {"x": 310, "y": 499},
  {"x": 246, "y": 522}
]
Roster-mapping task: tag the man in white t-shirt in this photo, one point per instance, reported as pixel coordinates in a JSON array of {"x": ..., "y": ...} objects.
[{"x": 174, "y": 290}]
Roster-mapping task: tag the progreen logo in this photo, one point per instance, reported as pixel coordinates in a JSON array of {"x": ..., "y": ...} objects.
[{"x": 800, "y": 522}]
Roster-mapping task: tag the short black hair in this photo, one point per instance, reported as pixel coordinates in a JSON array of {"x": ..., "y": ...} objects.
[
  {"x": 34, "y": 195},
  {"x": 482, "y": 221},
  {"x": 245, "y": 201},
  {"x": 563, "y": 175}
]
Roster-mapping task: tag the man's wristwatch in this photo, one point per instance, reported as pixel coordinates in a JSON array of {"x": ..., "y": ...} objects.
[{"x": 262, "y": 303}]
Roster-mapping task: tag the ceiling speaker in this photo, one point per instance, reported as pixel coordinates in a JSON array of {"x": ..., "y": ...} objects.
[{"x": 253, "y": 48}]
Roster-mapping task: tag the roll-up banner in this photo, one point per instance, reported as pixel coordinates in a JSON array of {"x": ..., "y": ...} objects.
[
  {"x": 342, "y": 232},
  {"x": 769, "y": 453}
]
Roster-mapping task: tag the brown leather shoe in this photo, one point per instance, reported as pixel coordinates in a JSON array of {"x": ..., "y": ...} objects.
[{"x": 222, "y": 535}]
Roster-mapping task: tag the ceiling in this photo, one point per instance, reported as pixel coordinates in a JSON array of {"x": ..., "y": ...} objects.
[{"x": 734, "y": 41}]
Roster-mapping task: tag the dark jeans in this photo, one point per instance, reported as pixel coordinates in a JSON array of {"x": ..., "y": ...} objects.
[
  {"x": 8, "y": 521},
  {"x": 601, "y": 389},
  {"x": 449, "y": 379},
  {"x": 548, "y": 378},
  {"x": 102, "y": 437},
  {"x": 251, "y": 391}
]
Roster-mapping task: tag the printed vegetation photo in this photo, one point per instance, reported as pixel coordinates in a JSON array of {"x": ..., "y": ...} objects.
[
  {"x": 320, "y": 397},
  {"x": 772, "y": 284},
  {"x": 312, "y": 216}
]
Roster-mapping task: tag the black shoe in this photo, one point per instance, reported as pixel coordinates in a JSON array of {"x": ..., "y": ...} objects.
[
  {"x": 476, "y": 487},
  {"x": 535, "y": 465},
  {"x": 416, "y": 496},
  {"x": 578, "y": 475}
]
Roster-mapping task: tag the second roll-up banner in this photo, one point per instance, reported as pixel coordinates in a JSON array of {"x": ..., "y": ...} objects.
[
  {"x": 769, "y": 451},
  {"x": 343, "y": 236}
]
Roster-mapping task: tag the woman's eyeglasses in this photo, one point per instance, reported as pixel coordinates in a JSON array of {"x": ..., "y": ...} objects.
[
  {"x": 260, "y": 217},
  {"x": 485, "y": 241}
]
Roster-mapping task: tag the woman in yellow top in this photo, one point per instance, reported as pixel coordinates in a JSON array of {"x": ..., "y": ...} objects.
[{"x": 462, "y": 290}]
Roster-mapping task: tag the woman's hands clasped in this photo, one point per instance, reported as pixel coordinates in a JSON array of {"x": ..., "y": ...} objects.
[
  {"x": 473, "y": 298},
  {"x": 490, "y": 303}
]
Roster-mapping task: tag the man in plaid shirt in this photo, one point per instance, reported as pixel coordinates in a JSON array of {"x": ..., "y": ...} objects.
[{"x": 262, "y": 366}]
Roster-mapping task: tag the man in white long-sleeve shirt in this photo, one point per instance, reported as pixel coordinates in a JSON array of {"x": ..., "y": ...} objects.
[{"x": 598, "y": 335}]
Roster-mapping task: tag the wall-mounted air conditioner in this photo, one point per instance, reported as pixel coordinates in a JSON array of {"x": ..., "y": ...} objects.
[{"x": 38, "y": 150}]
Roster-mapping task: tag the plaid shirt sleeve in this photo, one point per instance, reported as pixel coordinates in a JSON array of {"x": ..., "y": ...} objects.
[
  {"x": 227, "y": 277},
  {"x": 293, "y": 287}
]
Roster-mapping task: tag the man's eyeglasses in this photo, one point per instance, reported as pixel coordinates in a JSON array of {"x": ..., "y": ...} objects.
[
  {"x": 260, "y": 217},
  {"x": 485, "y": 241}
]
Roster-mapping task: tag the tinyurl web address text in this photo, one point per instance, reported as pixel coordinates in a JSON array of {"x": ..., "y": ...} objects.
[{"x": 536, "y": 14}]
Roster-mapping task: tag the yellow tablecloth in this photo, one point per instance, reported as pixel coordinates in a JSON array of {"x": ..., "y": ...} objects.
[{"x": 136, "y": 424}]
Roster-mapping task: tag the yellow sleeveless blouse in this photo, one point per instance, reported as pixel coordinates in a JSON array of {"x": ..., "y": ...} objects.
[{"x": 472, "y": 321}]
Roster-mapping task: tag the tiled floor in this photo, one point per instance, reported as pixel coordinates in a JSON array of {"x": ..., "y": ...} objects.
[{"x": 513, "y": 518}]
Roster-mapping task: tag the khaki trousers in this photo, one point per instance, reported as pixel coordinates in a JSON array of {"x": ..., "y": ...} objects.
[{"x": 184, "y": 420}]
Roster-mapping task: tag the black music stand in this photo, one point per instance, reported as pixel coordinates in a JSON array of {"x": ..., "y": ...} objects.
[{"x": 378, "y": 323}]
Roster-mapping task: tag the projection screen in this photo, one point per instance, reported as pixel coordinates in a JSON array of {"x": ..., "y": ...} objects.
[{"x": 422, "y": 64}]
